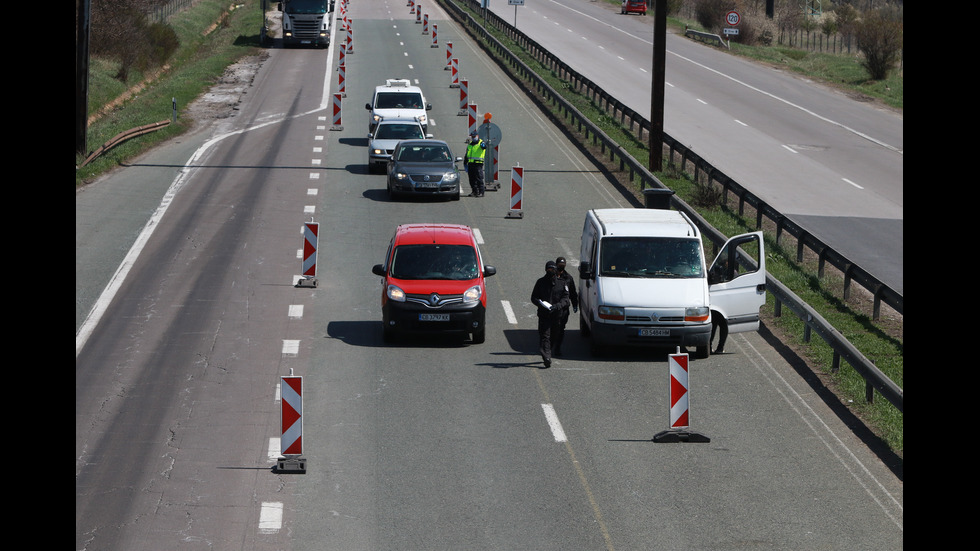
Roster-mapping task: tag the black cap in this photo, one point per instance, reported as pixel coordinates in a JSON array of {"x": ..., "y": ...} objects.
[
  {"x": 560, "y": 260},
  {"x": 550, "y": 265}
]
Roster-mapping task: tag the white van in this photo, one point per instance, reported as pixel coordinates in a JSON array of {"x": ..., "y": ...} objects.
[
  {"x": 643, "y": 281},
  {"x": 398, "y": 99}
]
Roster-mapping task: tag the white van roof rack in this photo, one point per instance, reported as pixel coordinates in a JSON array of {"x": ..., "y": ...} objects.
[{"x": 397, "y": 82}]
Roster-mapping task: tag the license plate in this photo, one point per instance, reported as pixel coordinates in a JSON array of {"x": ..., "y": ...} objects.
[
  {"x": 651, "y": 332},
  {"x": 433, "y": 317},
  {"x": 427, "y": 184}
]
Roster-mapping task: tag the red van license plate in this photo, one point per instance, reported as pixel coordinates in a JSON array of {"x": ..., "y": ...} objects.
[{"x": 433, "y": 317}]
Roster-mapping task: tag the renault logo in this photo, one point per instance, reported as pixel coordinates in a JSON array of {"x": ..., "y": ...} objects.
[{"x": 434, "y": 299}]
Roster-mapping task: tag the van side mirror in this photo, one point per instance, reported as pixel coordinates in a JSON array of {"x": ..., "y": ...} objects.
[
  {"x": 585, "y": 270},
  {"x": 378, "y": 269},
  {"x": 428, "y": 107}
]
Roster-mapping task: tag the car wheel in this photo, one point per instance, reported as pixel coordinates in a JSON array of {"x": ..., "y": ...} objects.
[
  {"x": 388, "y": 334},
  {"x": 479, "y": 337}
]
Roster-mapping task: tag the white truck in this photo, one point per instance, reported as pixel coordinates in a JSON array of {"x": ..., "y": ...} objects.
[
  {"x": 643, "y": 281},
  {"x": 306, "y": 22}
]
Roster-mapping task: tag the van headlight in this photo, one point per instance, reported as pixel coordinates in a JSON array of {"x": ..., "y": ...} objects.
[
  {"x": 473, "y": 294},
  {"x": 615, "y": 313},
  {"x": 698, "y": 314},
  {"x": 395, "y": 293}
]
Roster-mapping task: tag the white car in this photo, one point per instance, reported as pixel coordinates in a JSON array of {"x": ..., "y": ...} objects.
[
  {"x": 398, "y": 99},
  {"x": 386, "y": 135}
]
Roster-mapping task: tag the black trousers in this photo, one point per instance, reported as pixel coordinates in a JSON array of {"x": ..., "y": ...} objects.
[
  {"x": 475, "y": 173},
  {"x": 549, "y": 329}
]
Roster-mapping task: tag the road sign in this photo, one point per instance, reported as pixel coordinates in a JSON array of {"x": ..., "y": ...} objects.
[{"x": 732, "y": 18}]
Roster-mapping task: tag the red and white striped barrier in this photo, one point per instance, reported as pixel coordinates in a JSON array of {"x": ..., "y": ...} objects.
[
  {"x": 350, "y": 38},
  {"x": 449, "y": 56},
  {"x": 680, "y": 417},
  {"x": 679, "y": 396},
  {"x": 516, "y": 192},
  {"x": 425, "y": 24},
  {"x": 471, "y": 113},
  {"x": 464, "y": 87},
  {"x": 342, "y": 80},
  {"x": 412, "y": 11},
  {"x": 291, "y": 417},
  {"x": 495, "y": 165},
  {"x": 418, "y": 14},
  {"x": 310, "y": 235},
  {"x": 454, "y": 83},
  {"x": 435, "y": 40},
  {"x": 337, "y": 124}
]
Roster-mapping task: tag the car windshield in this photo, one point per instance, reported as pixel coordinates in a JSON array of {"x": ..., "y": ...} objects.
[
  {"x": 398, "y": 100},
  {"x": 431, "y": 261},
  {"x": 651, "y": 257},
  {"x": 399, "y": 132},
  {"x": 433, "y": 153}
]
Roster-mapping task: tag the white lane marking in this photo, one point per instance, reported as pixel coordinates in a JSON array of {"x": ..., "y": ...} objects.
[
  {"x": 290, "y": 347},
  {"x": 478, "y": 236},
  {"x": 509, "y": 312},
  {"x": 889, "y": 504},
  {"x": 552, "y": 417},
  {"x": 309, "y": 209},
  {"x": 275, "y": 445},
  {"x": 852, "y": 183},
  {"x": 295, "y": 311},
  {"x": 270, "y": 517},
  {"x": 790, "y": 149}
]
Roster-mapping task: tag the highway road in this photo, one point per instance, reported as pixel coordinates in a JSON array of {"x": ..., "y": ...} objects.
[
  {"x": 830, "y": 162},
  {"x": 185, "y": 270}
]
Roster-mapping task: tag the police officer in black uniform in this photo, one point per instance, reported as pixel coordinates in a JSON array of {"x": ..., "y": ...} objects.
[
  {"x": 550, "y": 295},
  {"x": 558, "y": 338}
]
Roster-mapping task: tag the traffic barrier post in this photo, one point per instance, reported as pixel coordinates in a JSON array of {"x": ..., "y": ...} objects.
[
  {"x": 516, "y": 192},
  {"x": 291, "y": 423},
  {"x": 679, "y": 430}
]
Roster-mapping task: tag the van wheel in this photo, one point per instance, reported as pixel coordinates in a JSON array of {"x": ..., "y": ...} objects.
[
  {"x": 583, "y": 327},
  {"x": 702, "y": 352}
]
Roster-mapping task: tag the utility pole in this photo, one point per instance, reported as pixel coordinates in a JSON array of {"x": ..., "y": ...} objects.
[
  {"x": 83, "y": 23},
  {"x": 657, "y": 90}
]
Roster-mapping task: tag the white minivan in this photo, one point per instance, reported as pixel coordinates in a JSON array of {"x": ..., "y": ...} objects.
[{"x": 644, "y": 282}]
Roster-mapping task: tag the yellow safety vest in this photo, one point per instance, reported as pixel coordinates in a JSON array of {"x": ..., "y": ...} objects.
[{"x": 475, "y": 152}]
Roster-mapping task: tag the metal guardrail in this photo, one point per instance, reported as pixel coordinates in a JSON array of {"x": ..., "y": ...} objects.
[
  {"x": 843, "y": 349},
  {"x": 124, "y": 136}
]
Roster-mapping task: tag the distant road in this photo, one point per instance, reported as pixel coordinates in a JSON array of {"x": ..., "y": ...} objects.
[{"x": 832, "y": 163}]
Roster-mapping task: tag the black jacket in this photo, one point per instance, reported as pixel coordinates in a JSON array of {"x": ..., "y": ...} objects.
[
  {"x": 570, "y": 283},
  {"x": 553, "y": 290}
]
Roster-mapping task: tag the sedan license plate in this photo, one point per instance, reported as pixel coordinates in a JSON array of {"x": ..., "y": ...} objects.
[
  {"x": 652, "y": 332},
  {"x": 433, "y": 317},
  {"x": 427, "y": 185}
]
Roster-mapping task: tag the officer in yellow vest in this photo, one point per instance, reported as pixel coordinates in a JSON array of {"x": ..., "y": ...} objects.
[{"x": 476, "y": 152}]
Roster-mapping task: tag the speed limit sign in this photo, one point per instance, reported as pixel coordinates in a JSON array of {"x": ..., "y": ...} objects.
[{"x": 732, "y": 18}]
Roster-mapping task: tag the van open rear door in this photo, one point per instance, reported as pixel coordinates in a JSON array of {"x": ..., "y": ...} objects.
[{"x": 737, "y": 281}]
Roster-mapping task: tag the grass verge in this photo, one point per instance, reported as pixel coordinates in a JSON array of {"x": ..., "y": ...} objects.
[{"x": 213, "y": 34}]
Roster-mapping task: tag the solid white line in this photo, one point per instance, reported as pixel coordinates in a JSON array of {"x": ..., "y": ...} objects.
[
  {"x": 825, "y": 434},
  {"x": 270, "y": 517},
  {"x": 852, "y": 183},
  {"x": 552, "y": 417},
  {"x": 788, "y": 148},
  {"x": 295, "y": 310}
]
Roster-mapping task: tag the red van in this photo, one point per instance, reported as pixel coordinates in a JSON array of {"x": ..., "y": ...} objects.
[
  {"x": 634, "y": 6},
  {"x": 433, "y": 281}
]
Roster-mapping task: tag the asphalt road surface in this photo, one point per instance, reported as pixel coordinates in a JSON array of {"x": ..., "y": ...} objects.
[{"x": 186, "y": 263}]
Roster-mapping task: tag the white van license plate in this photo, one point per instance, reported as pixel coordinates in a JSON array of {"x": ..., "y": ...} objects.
[
  {"x": 433, "y": 317},
  {"x": 651, "y": 332}
]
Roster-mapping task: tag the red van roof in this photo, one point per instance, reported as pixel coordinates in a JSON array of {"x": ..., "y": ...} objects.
[{"x": 449, "y": 234}]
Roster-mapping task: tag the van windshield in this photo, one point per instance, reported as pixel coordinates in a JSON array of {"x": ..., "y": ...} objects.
[
  {"x": 398, "y": 100},
  {"x": 651, "y": 257},
  {"x": 453, "y": 262}
]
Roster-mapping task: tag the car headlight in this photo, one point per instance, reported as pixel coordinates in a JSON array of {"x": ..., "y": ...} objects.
[
  {"x": 617, "y": 313},
  {"x": 699, "y": 314},
  {"x": 377, "y": 151},
  {"x": 395, "y": 293},
  {"x": 473, "y": 294},
  {"x": 399, "y": 175},
  {"x": 450, "y": 177}
]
